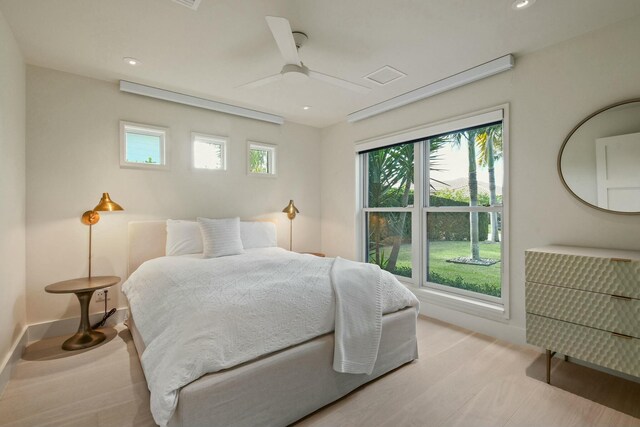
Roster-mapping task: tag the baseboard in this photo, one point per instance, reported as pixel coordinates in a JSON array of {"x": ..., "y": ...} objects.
[
  {"x": 6, "y": 369},
  {"x": 500, "y": 330},
  {"x": 55, "y": 328}
]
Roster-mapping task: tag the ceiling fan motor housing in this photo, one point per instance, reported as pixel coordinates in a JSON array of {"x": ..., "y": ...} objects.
[
  {"x": 299, "y": 38},
  {"x": 295, "y": 72}
]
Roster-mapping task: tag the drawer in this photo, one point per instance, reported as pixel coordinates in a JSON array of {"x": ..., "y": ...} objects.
[
  {"x": 591, "y": 309},
  {"x": 584, "y": 343},
  {"x": 604, "y": 275}
]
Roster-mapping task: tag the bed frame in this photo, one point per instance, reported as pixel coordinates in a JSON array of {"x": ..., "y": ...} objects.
[{"x": 277, "y": 389}]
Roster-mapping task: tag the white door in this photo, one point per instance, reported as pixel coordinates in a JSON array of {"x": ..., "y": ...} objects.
[{"x": 618, "y": 172}]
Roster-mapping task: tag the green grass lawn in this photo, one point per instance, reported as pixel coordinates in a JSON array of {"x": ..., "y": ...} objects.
[{"x": 484, "y": 279}]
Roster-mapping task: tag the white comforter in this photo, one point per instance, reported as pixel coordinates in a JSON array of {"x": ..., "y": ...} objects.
[{"x": 198, "y": 316}]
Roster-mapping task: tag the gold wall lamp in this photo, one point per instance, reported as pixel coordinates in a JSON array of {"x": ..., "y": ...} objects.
[
  {"x": 291, "y": 212},
  {"x": 92, "y": 217}
]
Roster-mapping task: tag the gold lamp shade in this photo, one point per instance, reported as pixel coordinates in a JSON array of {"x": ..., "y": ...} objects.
[
  {"x": 291, "y": 210},
  {"x": 106, "y": 204}
]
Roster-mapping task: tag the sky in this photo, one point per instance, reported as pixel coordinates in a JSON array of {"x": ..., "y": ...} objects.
[{"x": 455, "y": 164}]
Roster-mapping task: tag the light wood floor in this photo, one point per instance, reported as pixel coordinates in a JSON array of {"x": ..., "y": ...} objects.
[{"x": 461, "y": 379}]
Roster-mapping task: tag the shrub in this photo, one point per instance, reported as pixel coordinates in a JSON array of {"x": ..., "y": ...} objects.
[
  {"x": 460, "y": 283},
  {"x": 402, "y": 270}
]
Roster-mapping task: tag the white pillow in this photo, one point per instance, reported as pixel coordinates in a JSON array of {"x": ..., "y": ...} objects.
[
  {"x": 183, "y": 238},
  {"x": 220, "y": 237},
  {"x": 258, "y": 234}
]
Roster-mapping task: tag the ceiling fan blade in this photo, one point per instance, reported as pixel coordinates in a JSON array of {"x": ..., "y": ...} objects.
[
  {"x": 281, "y": 30},
  {"x": 261, "y": 82},
  {"x": 339, "y": 82}
]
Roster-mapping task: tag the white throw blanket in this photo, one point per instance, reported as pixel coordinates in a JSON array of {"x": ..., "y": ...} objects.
[
  {"x": 358, "y": 322},
  {"x": 198, "y": 316}
]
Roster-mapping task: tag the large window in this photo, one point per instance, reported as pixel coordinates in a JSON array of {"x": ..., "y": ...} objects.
[{"x": 433, "y": 207}]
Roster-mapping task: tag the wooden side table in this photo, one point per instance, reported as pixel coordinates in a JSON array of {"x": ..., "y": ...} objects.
[{"x": 83, "y": 288}]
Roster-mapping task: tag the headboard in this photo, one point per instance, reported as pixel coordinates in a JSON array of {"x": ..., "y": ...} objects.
[{"x": 147, "y": 240}]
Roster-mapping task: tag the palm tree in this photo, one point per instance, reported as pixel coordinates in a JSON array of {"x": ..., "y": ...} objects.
[
  {"x": 473, "y": 193},
  {"x": 390, "y": 179},
  {"x": 490, "y": 145},
  {"x": 391, "y": 172},
  {"x": 404, "y": 158},
  {"x": 456, "y": 140}
]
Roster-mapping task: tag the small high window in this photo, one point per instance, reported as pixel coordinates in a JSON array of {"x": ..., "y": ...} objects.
[
  {"x": 143, "y": 146},
  {"x": 209, "y": 152},
  {"x": 262, "y": 159}
]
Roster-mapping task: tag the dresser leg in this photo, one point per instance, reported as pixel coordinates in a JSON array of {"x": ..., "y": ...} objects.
[{"x": 549, "y": 356}]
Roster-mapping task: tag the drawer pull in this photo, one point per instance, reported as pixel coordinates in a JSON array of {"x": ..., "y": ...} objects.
[
  {"x": 621, "y": 297},
  {"x": 626, "y": 337},
  {"x": 620, "y": 260}
]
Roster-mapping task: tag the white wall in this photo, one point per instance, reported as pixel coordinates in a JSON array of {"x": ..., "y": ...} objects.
[
  {"x": 549, "y": 92},
  {"x": 73, "y": 156},
  {"x": 12, "y": 192}
]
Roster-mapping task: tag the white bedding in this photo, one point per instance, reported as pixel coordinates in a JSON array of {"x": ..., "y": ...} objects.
[
  {"x": 198, "y": 316},
  {"x": 358, "y": 320}
]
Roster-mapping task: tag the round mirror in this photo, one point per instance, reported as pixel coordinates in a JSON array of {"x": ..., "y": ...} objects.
[{"x": 599, "y": 161}]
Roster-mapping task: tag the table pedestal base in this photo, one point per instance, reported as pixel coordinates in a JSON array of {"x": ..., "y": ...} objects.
[
  {"x": 85, "y": 337},
  {"x": 84, "y": 340}
]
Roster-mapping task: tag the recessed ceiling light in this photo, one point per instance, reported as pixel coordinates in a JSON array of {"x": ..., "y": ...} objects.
[
  {"x": 306, "y": 107},
  {"x": 522, "y": 4},
  {"x": 131, "y": 61}
]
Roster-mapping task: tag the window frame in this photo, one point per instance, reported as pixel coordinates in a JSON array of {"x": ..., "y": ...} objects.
[
  {"x": 209, "y": 139},
  {"x": 272, "y": 149},
  {"x": 144, "y": 129},
  {"x": 459, "y": 299}
]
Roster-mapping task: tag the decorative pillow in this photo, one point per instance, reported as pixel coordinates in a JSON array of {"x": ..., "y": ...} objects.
[
  {"x": 220, "y": 237},
  {"x": 258, "y": 234},
  {"x": 183, "y": 238}
]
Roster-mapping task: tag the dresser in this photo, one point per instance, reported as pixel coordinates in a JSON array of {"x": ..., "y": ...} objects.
[{"x": 585, "y": 303}]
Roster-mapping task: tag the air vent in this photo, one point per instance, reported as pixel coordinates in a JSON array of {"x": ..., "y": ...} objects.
[
  {"x": 385, "y": 75},
  {"x": 191, "y": 4}
]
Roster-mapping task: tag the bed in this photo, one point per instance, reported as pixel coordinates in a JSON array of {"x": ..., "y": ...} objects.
[{"x": 278, "y": 388}]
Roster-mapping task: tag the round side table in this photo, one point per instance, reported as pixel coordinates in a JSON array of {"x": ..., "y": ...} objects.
[{"x": 83, "y": 288}]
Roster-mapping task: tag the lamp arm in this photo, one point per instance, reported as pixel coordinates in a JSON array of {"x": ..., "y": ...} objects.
[
  {"x": 90, "y": 229},
  {"x": 90, "y": 218}
]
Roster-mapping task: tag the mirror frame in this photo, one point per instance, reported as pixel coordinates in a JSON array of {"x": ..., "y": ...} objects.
[{"x": 566, "y": 140}]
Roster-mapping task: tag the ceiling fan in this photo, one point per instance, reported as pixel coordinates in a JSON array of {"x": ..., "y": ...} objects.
[{"x": 288, "y": 43}]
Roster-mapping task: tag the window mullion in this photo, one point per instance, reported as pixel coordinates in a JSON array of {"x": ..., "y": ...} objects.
[
  {"x": 416, "y": 224},
  {"x": 464, "y": 209},
  {"x": 409, "y": 209}
]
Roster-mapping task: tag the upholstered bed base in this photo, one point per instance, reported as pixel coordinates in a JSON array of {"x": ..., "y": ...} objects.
[
  {"x": 285, "y": 386},
  {"x": 278, "y": 389}
]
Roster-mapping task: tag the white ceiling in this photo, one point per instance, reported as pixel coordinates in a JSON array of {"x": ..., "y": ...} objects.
[{"x": 226, "y": 43}]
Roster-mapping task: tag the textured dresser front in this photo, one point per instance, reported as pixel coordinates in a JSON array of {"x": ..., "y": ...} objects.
[{"x": 585, "y": 303}]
